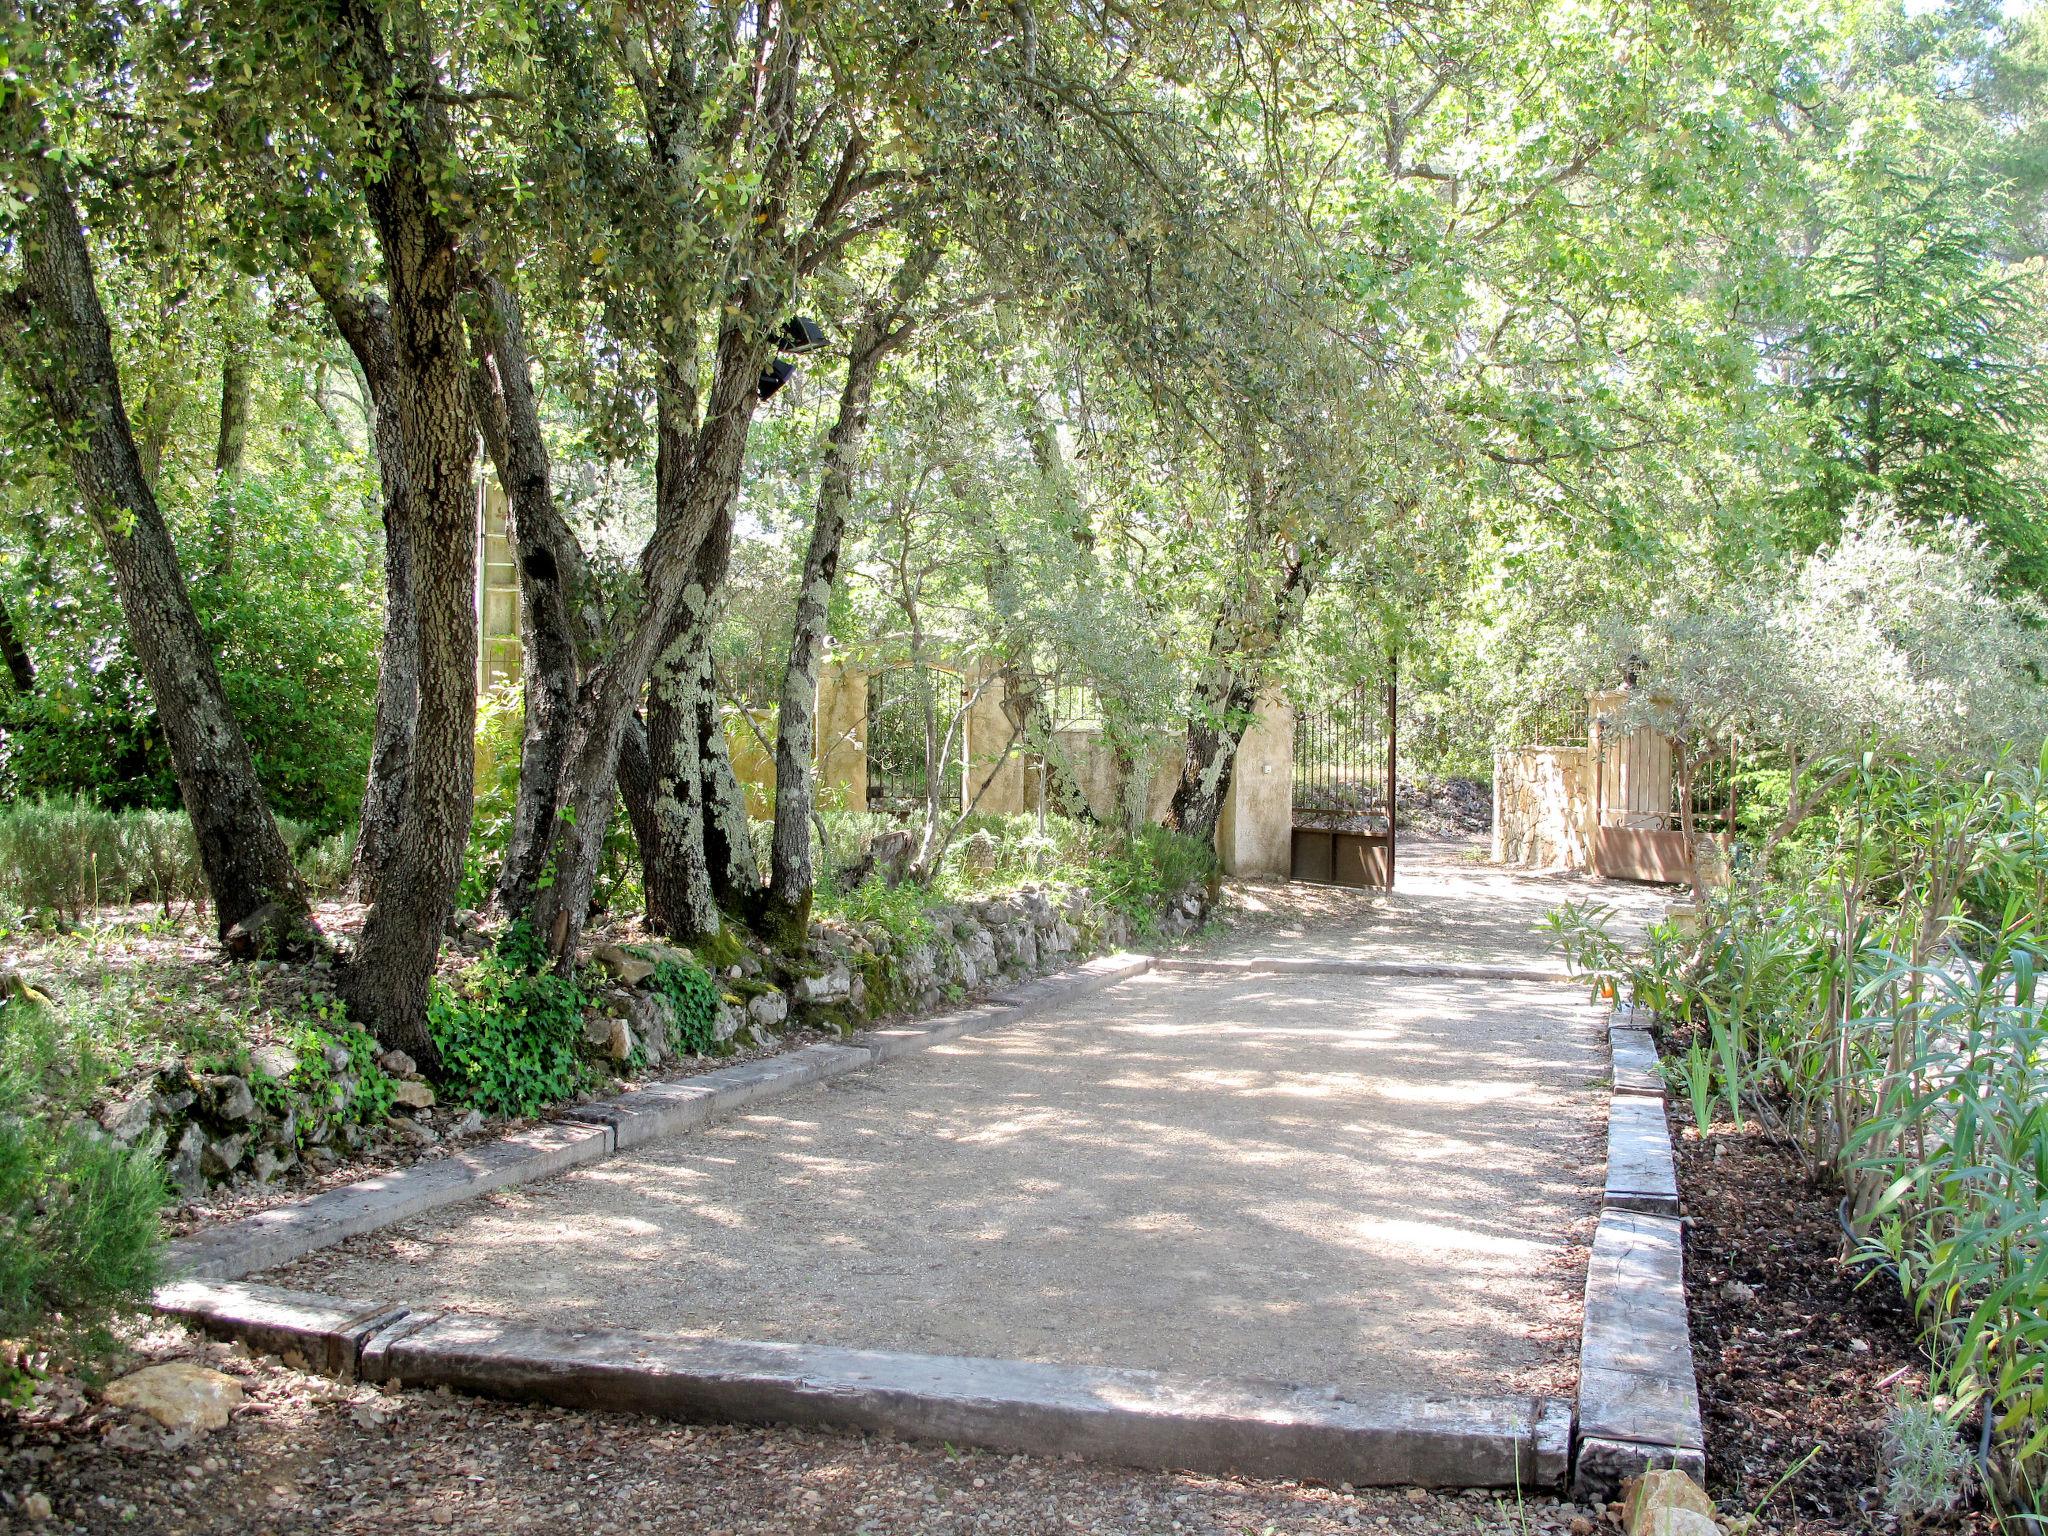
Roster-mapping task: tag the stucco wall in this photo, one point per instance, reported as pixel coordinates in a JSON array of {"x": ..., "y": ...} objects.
[{"x": 1255, "y": 836}]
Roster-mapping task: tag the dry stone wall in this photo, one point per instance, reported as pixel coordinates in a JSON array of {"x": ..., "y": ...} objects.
[{"x": 1543, "y": 808}]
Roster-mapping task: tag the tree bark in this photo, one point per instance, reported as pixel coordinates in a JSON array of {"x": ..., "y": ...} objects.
[
  {"x": 553, "y": 580},
  {"x": 236, "y": 369},
  {"x": 793, "y": 876},
  {"x": 365, "y": 324},
  {"x": 21, "y": 671},
  {"x": 682, "y": 695},
  {"x": 1227, "y": 697},
  {"x": 55, "y": 334},
  {"x": 386, "y": 980}
]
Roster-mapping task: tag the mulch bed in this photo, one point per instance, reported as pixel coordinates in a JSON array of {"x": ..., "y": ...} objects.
[{"x": 1792, "y": 1352}]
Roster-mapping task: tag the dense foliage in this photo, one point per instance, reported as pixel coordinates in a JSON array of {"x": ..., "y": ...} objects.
[
  {"x": 1878, "y": 1003},
  {"x": 509, "y": 1031}
]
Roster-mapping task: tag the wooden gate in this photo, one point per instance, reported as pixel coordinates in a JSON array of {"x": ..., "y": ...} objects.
[{"x": 1344, "y": 786}]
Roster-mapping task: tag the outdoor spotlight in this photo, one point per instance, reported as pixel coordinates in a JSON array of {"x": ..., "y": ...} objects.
[
  {"x": 799, "y": 335},
  {"x": 774, "y": 376}
]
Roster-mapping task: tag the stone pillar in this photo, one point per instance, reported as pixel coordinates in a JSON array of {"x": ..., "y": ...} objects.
[
  {"x": 842, "y": 737},
  {"x": 1255, "y": 833},
  {"x": 992, "y": 758}
]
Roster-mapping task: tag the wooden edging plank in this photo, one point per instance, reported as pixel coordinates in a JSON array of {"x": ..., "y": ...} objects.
[
  {"x": 1143, "y": 1418},
  {"x": 589, "y": 1133},
  {"x": 1638, "y": 1402}
]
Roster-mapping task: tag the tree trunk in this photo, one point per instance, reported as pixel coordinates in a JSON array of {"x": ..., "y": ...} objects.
[
  {"x": 236, "y": 368},
  {"x": 682, "y": 896},
  {"x": 1227, "y": 698},
  {"x": 695, "y": 488},
  {"x": 793, "y": 875},
  {"x": 54, "y": 333},
  {"x": 1216, "y": 725},
  {"x": 553, "y": 581},
  {"x": 698, "y": 455},
  {"x": 365, "y": 324},
  {"x": 21, "y": 671},
  {"x": 387, "y": 978}
]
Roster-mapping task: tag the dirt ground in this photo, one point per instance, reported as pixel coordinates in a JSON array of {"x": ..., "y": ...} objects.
[
  {"x": 307, "y": 1455},
  {"x": 310, "y": 1457}
]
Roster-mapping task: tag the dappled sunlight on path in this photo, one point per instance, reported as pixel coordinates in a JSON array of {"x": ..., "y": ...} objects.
[{"x": 1329, "y": 1179}]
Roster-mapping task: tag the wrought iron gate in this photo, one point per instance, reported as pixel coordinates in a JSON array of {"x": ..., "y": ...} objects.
[
  {"x": 900, "y": 752},
  {"x": 1344, "y": 786}
]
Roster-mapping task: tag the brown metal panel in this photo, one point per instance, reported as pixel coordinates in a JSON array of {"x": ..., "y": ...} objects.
[
  {"x": 1313, "y": 855},
  {"x": 1638, "y": 853}
]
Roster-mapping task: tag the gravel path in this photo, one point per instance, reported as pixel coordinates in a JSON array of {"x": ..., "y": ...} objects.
[
  {"x": 1314, "y": 1179},
  {"x": 1448, "y": 905}
]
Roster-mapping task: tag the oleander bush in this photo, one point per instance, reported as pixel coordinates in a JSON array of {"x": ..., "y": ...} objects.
[{"x": 1882, "y": 1009}]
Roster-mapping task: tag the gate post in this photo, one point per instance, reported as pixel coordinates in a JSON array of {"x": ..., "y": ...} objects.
[{"x": 1255, "y": 832}]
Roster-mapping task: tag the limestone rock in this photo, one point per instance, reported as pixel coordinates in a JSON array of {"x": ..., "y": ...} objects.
[
  {"x": 275, "y": 1061},
  {"x": 1668, "y": 1521},
  {"x": 1656, "y": 1494},
  {"x": 398, "y": 1064},
  {"x": 768, "y": 1009},
  {"x": 269, "y": 1162},
  {"x": 834, "y": 986},
  {"x": 619, "y": 1041},
  {"x": 128, "y": 1120},
  {"x": 36, "y": 1506},
  {"x": 179, "y": 1395},
  {"x": 651, "y": 1015},
  {"x": 227, "y": 1099},
  {"x": 185, "y": 1167},
  {"x": 222, "y": 1156},
  {"x": 726, "y": 1022},
  {"x": 664, "y": 954},
  {"x": 630, "y": 969},
  {"x": 412, "y": 1094}
]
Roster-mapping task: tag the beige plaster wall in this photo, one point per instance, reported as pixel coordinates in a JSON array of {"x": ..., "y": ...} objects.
[{"x": 1255, "y": 835}]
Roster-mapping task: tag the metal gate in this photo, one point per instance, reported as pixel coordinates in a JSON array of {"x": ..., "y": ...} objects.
[
  {"x": 1344, "y": 786},
  {"x": 902, "y": 703}
]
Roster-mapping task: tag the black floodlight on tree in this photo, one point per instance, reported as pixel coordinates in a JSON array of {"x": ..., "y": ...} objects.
[
  {"x": 775, "y": 375},
  {"x": 799, "y": 335},
  {"x": 802, "y": 334}
]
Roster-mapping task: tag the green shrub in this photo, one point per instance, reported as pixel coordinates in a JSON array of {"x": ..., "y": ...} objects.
[
  {"x": 294, "y": 625},
  {"x": 507, "y": 1032},
  {"x": 1139, "y": 875},
  {"x": 60, "y": 856},
  {"x": 78, "y": 1215},
  {"x": 161, "y": 857},
  {"x": 326, "y": 863},
  {"x": 693, "y": 996},
  {"x": 1880, "y": 1008},
  {"x": 903, "y": 912}
]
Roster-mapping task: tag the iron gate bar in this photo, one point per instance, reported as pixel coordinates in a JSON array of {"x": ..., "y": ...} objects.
[
  {"x": 1345, "y": 785},
  {"x": 898, "y": 762}
]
